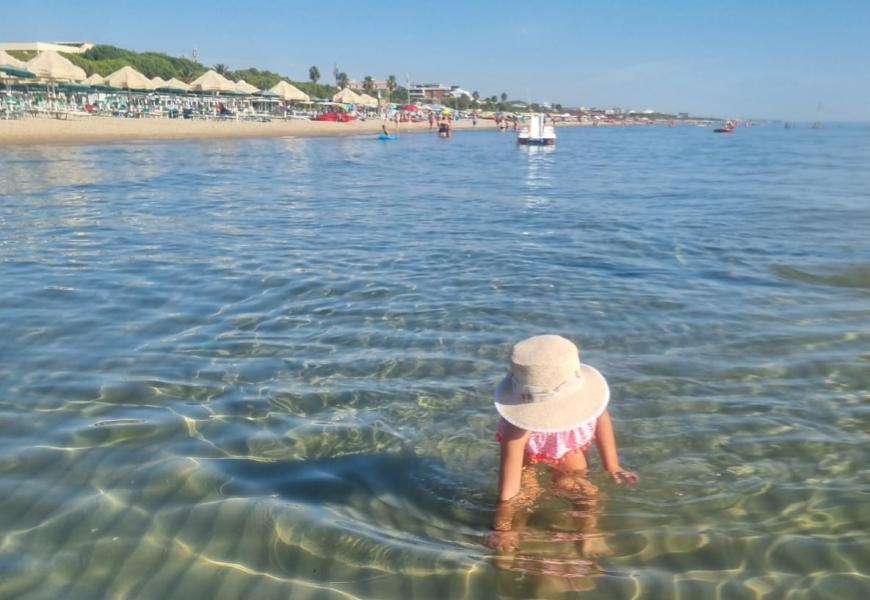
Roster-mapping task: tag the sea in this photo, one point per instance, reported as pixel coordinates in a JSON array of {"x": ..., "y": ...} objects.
[{"x": 264, "y": 368}]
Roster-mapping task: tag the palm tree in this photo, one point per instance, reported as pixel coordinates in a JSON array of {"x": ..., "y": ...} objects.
[
  {"x": 475, "y": 95},
  {"x": 222, "y": 69},
  {"x": 391, "y": 86},
  {"x": 314, "y": 74},
  {"x": 368, "y": 84},
  {"x": 504, "y": 96},
  {"x": 341, "y": 79}
]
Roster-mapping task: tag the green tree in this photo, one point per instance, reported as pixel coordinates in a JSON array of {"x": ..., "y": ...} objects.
[
  {"x": 341, "y": 80},
  {"x": 221, "y": 69},
  {"x": 504, "y": 96},
  {"x": 475, "y": 95},
  {"x": 368, "y": 84},
  {"x": 314, "y": 74}
]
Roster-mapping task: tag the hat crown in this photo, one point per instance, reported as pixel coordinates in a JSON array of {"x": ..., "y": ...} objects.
[{"x": 544, "y": 362}]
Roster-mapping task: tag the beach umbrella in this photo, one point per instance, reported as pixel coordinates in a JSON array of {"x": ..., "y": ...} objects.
[
  {"x": 176, "y": 84},
  {"x": 367, "y": 100},
  {"x": 128, "y": 78},
  {"x": 95, "y": 79},
  {"x": 54, "y": 67},
  {"x": 411, "y": 107},
  {"x": 346, "y": 96},
  {"x": 13, "y": 67},
  {"x": 212, "y": 81},
  {"x": 243, "y": 87},
  {"x": 157, "y": 82},
  {"x": 288, "y": 92}
]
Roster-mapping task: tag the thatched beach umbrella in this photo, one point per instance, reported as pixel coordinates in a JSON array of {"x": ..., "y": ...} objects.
[
  {"x": 128, "y": 78},
  {"x": 95, "y": 79},
  {"x": 212, "y": 81},
  {"x": 176, "y": 84},
  {"x": 157, "y": 82},
  {"x": 367, "y": 100},
  {"x": 7, "y": 60},
  {"x": 243, "y": 87},
  {"x": 54, "y": 67},
  {"x": 289, "y": 93},
  {"x": 346, "y": 96}
]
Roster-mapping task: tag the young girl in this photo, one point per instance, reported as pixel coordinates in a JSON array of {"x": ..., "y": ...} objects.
[{"x": 553, "y": 408}]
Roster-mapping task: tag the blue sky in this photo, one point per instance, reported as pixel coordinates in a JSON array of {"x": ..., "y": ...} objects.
[{"x": 788, "y": 59}]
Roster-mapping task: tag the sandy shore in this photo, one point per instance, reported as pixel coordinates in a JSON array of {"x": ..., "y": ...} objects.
[{"x": 89, "y": 129}]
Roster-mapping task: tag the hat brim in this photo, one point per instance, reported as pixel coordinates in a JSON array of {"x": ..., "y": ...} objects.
[{"x": 573, "y": 405}]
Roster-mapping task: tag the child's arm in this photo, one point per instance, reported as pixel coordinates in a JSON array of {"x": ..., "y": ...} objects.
[
  {"x": 510, "y": 474},
  {"x": 605, "y": 441}
]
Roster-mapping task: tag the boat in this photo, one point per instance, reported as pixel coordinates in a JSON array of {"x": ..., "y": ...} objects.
[
  {"x": 729, "y": 127},
  {"x": 536, "y": 132}
]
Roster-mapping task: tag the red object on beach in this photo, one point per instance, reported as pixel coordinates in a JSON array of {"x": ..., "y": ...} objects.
[
  {"x": 411, "y": 107},
  {"x": 341, "y": 117}
]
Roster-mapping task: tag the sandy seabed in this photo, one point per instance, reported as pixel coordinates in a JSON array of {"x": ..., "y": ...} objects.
[{"x": 92, "y": 129}]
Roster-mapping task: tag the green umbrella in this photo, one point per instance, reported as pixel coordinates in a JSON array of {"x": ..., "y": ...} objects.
[
  {"x": 266, "y": 94},
  {"x": 17, "y": 72},
  {"x": 74, "y": 87}
]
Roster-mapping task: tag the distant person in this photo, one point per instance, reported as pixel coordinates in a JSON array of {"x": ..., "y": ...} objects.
[
  {"x": 384, "y": 130},
  {"x": 431, "y": 120},
  {"x": 444, "y": 127}
]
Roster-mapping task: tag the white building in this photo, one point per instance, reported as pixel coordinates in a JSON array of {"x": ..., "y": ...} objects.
[{"x": 65, "y": 47}]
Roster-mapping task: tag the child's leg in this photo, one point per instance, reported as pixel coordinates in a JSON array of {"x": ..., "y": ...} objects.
[
  {"x": 570, "y": 478},
  {"x": 571, "y": 475}
]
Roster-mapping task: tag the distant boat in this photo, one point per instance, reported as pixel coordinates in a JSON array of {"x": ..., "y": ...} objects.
[
  {"x": 816, "y": 125},
  {"x": 729, "y": 127},
  {"x": 536, "y": 133}
]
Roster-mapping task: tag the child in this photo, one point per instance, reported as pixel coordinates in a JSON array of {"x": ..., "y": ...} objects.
[{"x": 552, "y": 408}]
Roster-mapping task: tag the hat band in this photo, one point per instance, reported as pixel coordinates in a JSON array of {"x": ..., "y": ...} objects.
[{"x": 532, "y": 393}]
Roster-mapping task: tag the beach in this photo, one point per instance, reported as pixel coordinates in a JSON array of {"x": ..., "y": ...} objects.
[{"x": 100, "y": 129}]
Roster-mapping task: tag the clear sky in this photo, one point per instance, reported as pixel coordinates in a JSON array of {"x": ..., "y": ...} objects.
[{"x": 797, "y": 59}]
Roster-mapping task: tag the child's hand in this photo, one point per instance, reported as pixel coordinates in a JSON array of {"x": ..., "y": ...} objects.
[
  {"x": 620, "y": 475},
  {"x": 503, "y": 541}
]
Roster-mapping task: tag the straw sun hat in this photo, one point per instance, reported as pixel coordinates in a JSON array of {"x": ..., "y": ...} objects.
[{"x": 548, "y": 389}]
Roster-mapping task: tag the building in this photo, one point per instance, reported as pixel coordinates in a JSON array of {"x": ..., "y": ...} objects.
[
  {"x": 428, "y": 91},
  {"x": 66, "y": 47},
  {"x": 359, "y": 84}
]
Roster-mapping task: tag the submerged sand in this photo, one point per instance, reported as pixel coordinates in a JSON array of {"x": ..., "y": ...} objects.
[{"x": 91, "y": 129}]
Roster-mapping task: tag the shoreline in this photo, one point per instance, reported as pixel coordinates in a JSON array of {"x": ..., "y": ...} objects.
[{"x": 100, "y": 130}]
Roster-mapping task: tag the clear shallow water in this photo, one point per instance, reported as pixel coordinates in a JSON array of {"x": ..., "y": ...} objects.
[{"x": 264, "y": 368}]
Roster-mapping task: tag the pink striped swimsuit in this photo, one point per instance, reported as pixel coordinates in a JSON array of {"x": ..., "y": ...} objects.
[{"x": 552, "y": 447}]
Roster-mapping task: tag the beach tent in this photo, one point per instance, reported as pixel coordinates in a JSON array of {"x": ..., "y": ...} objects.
[
  {"x": 128, "y": 78},
  {"x": 289, "y": 93},
  {"x": 367, "y": 100},
  {"x": 54, "y": 67},
  {"x": 176, "y": 84},
  {"x": 95, "y": 79},
  {"x": 212, "y": 81},
  {"x": 346, "y": 96},
  {"x": 243, "y": 87}
]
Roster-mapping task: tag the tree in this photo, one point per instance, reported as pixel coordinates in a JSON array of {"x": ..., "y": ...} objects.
[
  {"x": 493, "y": 99},
  {"x": 391, "y": 86},
  {"x": 475, "y": 95},
  {"x": 368, "y": 84},
  {"x": 221, "y": 69},
  {"x": 314, "y": 74},
  {"x": 504, "y": 96},
  {"x": 341, "y": 80}
]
